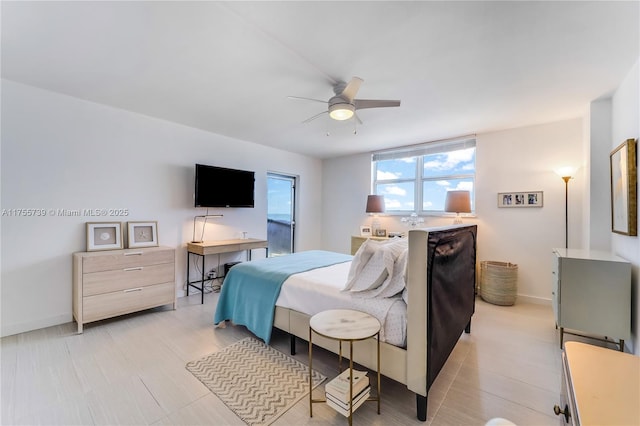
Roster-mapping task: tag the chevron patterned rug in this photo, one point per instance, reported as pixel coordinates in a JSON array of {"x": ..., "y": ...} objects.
[{"x": 255, "y": 381}]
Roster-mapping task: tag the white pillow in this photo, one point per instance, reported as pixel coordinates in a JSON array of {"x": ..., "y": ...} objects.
[
  {"x": 375, "y": 272},
  {"x": 394, "y": 284},
  {"x": 398, "y": 246},
  {"x": 360, "y": 260}
]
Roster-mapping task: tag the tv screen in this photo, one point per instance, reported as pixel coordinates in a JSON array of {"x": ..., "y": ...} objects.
[{"x": 222, "y": 187}]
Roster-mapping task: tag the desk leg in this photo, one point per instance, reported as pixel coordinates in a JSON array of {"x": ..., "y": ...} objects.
[
  {"x": 202, "y": 283},
  {"x": 188, "y": 259}
]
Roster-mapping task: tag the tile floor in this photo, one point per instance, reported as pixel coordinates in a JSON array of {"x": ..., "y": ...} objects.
[{"x": 130, "y": 371}]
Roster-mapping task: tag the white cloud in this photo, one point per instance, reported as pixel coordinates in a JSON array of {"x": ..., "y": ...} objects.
[
  {"x": 387, "y": 175},
  {"x": 394, "y": 190},
  {"x": 392, "y": 204},
  {"x": 452, "y": 159},
  {"x": 443, "y": 183},
  {"x": 465, "y": 186}
]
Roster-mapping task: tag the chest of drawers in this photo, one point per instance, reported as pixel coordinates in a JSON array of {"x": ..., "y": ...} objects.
[
  {"x": 111, "y": 283},
  {"x": 591, "y": 292}
]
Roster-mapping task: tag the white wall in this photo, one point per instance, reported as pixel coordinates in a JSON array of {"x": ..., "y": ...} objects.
[
  {"x": 598, "y": 224},
  {"x": 521, "y": 159},
  {"x": 60, "y": 152},
  {"x": 625, "y": 119}
]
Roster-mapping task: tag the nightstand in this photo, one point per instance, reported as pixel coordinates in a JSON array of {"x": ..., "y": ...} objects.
[{"x": 356, "y": 241}]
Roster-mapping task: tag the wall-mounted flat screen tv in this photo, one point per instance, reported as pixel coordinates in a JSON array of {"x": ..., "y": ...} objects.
[{"x": 223, "y": 187}]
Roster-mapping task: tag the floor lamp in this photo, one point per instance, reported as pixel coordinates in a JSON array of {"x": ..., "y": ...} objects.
[{"x": 565, "y": 173}]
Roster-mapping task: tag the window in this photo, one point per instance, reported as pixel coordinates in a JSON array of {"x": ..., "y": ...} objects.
[{"x": 417, "y": 178}]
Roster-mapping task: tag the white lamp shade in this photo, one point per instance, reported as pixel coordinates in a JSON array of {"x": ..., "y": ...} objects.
[
  {"x": 458, "y": 202},
  {"x": 375, "y": 204}
]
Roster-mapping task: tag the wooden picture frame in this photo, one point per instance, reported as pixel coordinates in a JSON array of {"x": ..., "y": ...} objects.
[
  {"x": 142, "y": 234},
  {"x": 380, "y": 233},
  {"x": 520, "y": 199},
  {"x": 104, "y": 236},
  {"x": 624, "y": 205}
]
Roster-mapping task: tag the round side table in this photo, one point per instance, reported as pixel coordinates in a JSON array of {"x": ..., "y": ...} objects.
[{"x": 344, "y": 325}]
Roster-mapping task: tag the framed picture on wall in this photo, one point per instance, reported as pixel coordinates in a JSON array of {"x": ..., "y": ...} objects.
[
  {"x": 520, "y": 199},
  {"x": 104, "y": 236},
  {"x": 623, "y": 188},
  {"x": 142, "y": 234}
]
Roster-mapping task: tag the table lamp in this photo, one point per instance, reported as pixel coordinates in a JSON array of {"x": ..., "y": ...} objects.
[
  {"x": 458, "y": 202},
  {"x": 375, "y": 205}
]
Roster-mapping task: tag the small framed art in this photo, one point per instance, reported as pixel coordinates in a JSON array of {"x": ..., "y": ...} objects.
[
  {"x": 142, "y": 234},
  {"x": 623, "y": 189},
  {"x": 380, "y": 233},
  {"x": 104, "y": 236},
  {"x": 365, "y": 231},
  {"x": 520, "y": 199}
]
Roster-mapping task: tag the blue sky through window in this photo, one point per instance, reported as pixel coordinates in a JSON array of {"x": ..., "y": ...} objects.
[{"x": 396, "y": 179}]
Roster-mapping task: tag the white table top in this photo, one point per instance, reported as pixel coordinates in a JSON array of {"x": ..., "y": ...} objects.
[{"x": 345, "y": 324}]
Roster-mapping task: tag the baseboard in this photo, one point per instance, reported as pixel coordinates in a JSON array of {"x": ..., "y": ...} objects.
[
  {"x": 11, "y": 329},
  {"x": 533, "y": 299}
]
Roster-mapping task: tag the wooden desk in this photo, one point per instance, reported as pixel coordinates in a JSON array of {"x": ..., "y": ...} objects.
[{"x": 216, "y": 247}]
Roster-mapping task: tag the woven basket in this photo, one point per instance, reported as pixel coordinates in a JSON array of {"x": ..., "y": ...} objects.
[{"x": 498, "y": 282}]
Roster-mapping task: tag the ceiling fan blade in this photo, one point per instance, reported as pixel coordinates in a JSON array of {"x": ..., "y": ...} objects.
[
  {"x": 351, "y": 89},
  {"x": 375, "y": 103},
  {"x": 298, "y": 98},
  {"x": 314, "y": 117}
]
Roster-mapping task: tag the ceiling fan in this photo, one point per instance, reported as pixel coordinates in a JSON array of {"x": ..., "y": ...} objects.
[{"x": 343, "y": 105}]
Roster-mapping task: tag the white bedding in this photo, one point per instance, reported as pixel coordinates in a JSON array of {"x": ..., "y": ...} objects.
[{"x": 320, "y": 289}]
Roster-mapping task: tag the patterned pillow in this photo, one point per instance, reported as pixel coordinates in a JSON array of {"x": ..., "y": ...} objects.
[
  {"x": 360, "y": 260},
  {"x": 394, "y": 284},
  {"x": 375, "y": 272}
]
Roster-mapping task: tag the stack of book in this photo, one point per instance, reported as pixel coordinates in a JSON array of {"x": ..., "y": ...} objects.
[{"x": 337, "y": 391}]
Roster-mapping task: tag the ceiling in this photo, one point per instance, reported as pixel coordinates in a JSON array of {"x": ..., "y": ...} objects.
[{"x": 227, "y": 67}]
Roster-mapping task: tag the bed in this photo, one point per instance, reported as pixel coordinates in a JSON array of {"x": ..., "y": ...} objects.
[{"x": 436, "y": 302}]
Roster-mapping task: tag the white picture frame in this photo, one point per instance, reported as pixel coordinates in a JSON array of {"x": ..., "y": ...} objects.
[
  {"x": 104, "y": 236},
  {"x": 520, "y": 199},
  {"x": 142, "y": 234},
  {"x": 365, "y": 231}
]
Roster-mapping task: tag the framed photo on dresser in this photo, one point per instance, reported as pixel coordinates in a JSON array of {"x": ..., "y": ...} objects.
[
  {"x": 104, "y": 236},
  {"x": 142, "y": 234}
]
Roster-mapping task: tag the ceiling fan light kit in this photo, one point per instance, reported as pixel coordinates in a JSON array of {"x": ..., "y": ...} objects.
[
  {"x": 343, "y": 105},
  {"x": 341, "y": 111}
]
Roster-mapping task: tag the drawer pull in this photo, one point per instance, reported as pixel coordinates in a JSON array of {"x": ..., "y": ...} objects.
[
  {"x": 565, "y": 412},
  {"x": 133, "y": 289},
  {"x": 137, "y": 268},
  {"x": 133, "y": 253}
]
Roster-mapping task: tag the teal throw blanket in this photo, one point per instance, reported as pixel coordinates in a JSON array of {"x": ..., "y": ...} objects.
[{"x": 250, "y": 290}]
